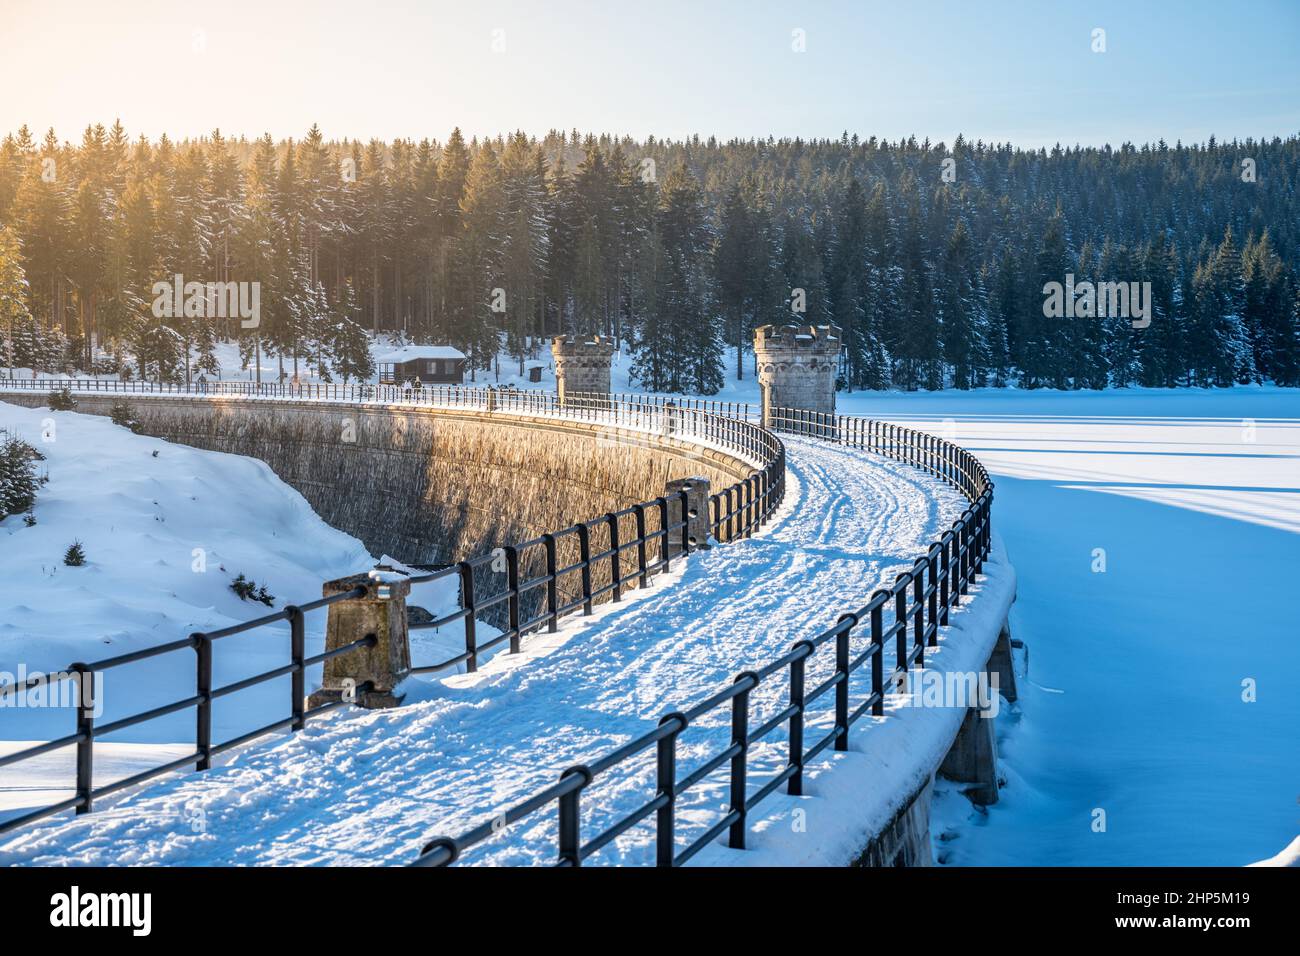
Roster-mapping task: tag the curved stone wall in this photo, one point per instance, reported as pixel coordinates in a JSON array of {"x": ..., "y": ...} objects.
[{"x": 430, "y": 485}]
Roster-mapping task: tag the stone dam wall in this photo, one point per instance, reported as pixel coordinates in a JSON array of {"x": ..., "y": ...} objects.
[{"x": 432, "y": 485}]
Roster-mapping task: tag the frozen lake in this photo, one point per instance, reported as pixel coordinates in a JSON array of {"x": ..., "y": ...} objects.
[{"x": 1137, "y": 698}]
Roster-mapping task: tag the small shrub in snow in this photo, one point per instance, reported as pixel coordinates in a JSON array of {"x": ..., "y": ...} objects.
[
  {"x": 106, "y": 365},
  {"x": 75, "y": 556},
  {"x": 123, "y": 414},
  {"x": 18, "y": 478},
  {"x": 251, "y": 591},
  {"x": 29, "y": 519},
  {"x": 62, "y": 401}
]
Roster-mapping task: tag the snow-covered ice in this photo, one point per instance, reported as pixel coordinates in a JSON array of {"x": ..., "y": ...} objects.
[{"x": 1160, "y": 698}]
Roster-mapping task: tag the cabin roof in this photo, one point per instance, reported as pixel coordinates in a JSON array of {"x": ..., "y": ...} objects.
[{"x": 412, "y": 352}]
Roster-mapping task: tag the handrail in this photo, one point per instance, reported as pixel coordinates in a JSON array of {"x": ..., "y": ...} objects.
[{"x": 201, "y": 701}]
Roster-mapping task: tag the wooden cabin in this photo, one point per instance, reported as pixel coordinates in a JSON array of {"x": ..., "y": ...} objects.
[{"x": 431, "y": 364}]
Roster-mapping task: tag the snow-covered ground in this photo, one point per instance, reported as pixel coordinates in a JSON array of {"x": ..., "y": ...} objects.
[
  {"x": 370, "y": 787},
  {"x": 165, "y": 529}
]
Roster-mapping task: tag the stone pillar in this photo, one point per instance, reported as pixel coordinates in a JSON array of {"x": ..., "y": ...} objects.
[
  {"x": 381, "y": 611},
  {"x": 582, "y": 364},
  {"x": 697, "y": 513},
  {"x": 973, "y": 757},
  {"x": 797, "y": 367}
]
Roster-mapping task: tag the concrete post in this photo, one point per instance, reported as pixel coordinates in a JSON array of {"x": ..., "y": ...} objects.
[
  {"x": 697, "y": 513},
  {"x": 796, "y": 367},
  {"x": 1000, "y": 663},
  {"x": 582, "y": 364},
  {"x": 381, "y": 611},
  {"x": 973, "y": 758}
]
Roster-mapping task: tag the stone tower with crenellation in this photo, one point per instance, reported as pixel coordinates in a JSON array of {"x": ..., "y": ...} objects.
[
  {"x": 582, "y": 364},
  {"x": 797, "y": 365}
]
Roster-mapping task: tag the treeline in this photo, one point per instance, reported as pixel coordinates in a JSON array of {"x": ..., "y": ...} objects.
[{"x": 931, "y": 258}]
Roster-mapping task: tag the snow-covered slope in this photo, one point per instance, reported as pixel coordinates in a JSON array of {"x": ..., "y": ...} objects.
[
  {"x": 369, "y": 787},
  {"x": 165, "y": 529}
]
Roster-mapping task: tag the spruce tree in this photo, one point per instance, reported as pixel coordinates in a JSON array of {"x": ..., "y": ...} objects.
[
  {"x": 350, "y": 346},
  {"x": 15, "y": 316}
]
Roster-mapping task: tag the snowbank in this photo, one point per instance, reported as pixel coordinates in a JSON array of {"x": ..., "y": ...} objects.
[
  {"x": 165, "y": 529},
  {"x": 1290, "y": 856}
]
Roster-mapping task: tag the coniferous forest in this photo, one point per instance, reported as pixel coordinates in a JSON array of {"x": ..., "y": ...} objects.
[{"x": 931, "y": 257}]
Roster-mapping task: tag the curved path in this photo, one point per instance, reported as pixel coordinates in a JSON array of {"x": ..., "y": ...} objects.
[{"x": 371, "y": 787}]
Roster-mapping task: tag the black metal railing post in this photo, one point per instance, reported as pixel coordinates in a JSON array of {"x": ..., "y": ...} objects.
[
  {"x": 900, "y": 620},
  {"x": 842, "y": 673},
  {"x": 512, "y": 602},
  {"x": 203, "y": 689},
  {"x": 740, "y": 759},
  {"x": 85, "y": 736},
  {"x": 918, "y": 608},
  {"x": 932, "y": 569},
  {"x": 584, "y": 558},
  {"x": 732, "y": 513},
  {"x": 552, "y": 585},
  {"x": 466, "y": 571},
  {"x": 570, "y": 817},
  {"x": 665, "y": 543},
  {"x": 615, "y": 558},
  {"x": 298, "y": 654},
  {"x": 794, "y": 786},
  {"x": 666, "y": 787},
  {"x": 966, "y": 550},
  {"x": 954, "y": 588},
  {"x": 643, "y": 576},
  {"x": 878, "y": 652},
  {"x": 945, "y": 574}
]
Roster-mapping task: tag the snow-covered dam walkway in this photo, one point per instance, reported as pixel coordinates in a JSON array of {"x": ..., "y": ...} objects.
[{"x": 372, "y": 786}]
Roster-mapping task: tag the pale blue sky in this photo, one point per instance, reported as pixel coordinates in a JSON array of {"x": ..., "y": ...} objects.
[{"x": 998, "y": 71}]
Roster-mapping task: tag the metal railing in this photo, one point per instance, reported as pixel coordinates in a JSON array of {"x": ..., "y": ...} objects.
[
  {"x": 557, "y": 573},
  {"x": 693, "y": 420},
  {"x": 918, "y": 604},
  {"x": 477, "y": 395},
  {"x": 546, "y": 577},
  {"x": 88, "y": 731}
]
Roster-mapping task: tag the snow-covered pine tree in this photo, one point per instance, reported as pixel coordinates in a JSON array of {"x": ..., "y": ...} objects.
[
  {"x": 18, "y": 479},
  {"x": 962, "y": 310},
  {"x": 474, "y": 326},
  {"x": 15, "y": 316},
  {"x": 350, "y": 348}
]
